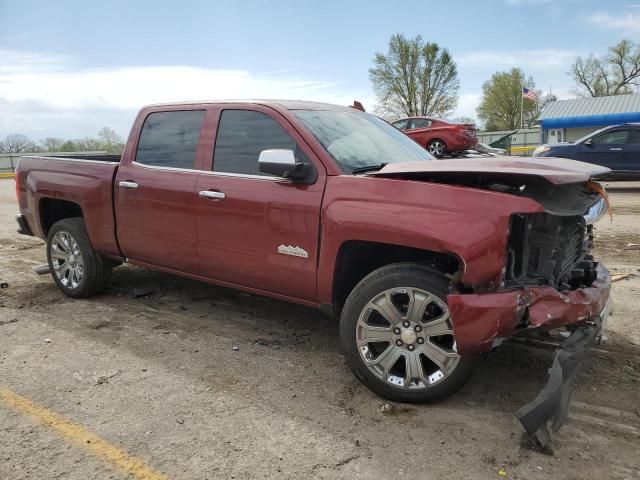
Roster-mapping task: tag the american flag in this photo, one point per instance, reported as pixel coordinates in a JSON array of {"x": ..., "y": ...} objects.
[{"x": 529, "y": 94}]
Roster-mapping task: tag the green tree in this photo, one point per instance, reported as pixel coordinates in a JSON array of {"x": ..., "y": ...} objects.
[
  {"x": 499, "y": 107},
  {"x": 616, "y": 73},
  {"x": 68, "y": 146},
  {"x": 414, "y": 78}
]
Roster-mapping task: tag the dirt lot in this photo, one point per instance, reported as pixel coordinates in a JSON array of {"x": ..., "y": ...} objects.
[{"x": 157, "y": 377}]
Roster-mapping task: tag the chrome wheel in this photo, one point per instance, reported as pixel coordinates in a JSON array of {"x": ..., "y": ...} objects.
[
  {"x": 436, "y": 148},
  {"x": 406, "y": 339},
  {"x": 67, "y": 260}
]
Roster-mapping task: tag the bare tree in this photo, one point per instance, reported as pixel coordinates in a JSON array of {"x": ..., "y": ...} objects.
[
  {"x": 111, "y": 141},
  {"x": 52, "y": 144},
  {"x": 616, "y": 73},
  {"x": 414, "y": 78},
  {"x": 17, "y": 143},
  {"x": 88, "y": 144}
]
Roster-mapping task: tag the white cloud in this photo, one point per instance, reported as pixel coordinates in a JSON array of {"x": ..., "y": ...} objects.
[
  {"x": 625, "y": 22},
  {"x": 549, "y": 58},
  {"x": 467, "y": 104},
  {"x": 49, "y": 94}
]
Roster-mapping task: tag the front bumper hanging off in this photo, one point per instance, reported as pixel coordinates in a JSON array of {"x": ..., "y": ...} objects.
[
  {"x": 483, "y": 320},
  {"x": 550, "y": 408}
]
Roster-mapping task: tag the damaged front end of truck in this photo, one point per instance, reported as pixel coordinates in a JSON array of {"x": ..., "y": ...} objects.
[{"x": 549, "y": 281}]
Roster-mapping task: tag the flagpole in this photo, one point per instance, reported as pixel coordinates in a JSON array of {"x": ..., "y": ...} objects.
[{"x": 521, "y": 105}]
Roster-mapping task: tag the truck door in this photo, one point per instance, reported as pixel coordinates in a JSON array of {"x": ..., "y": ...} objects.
[
  {"x": 257, "y": 230},
  {"x": 155, "y": 191}
]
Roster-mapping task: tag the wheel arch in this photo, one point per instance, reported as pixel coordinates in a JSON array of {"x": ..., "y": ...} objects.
[
  {"x": 52, "y": 210},
  {"x": 355, "y": 259},
  {"x": 437, "y": 139}
]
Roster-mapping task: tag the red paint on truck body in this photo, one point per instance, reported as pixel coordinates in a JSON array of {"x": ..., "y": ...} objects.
[{"x": 470, "y": 224}]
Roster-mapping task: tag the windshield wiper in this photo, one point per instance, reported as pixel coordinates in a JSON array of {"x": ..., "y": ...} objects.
[{"x": 369, "y": 168}]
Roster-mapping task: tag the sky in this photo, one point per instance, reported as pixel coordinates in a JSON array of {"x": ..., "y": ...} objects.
[{"x": 68, "y": 68}]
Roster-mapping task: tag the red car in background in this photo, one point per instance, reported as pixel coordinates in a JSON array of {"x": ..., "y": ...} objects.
[{"x": 438, "y": 136}]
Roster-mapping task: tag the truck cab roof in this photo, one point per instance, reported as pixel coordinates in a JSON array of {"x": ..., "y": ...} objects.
[{"x": 273, "y": 103}]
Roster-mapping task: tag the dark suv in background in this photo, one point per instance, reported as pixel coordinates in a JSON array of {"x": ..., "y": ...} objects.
[{"x": 616, "y": 147}]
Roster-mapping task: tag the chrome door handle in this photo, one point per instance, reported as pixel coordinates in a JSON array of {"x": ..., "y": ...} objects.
[
  {"x": 212, "y": 194},
  {"x": 615, "y": 149},
  {"x": 128, "y": 184}
]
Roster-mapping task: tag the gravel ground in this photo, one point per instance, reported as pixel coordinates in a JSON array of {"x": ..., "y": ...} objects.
[{"x": 157, "y": 376}]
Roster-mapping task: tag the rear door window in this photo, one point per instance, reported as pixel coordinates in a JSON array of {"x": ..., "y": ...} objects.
[
  {"x": 421, "y": 123},
  {"x": 242, "y": 135},
  {"x": 170, "y": 139}
]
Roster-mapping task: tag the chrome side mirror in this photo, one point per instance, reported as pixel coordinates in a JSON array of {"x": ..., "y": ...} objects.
[{"x": 283, "y": 163}]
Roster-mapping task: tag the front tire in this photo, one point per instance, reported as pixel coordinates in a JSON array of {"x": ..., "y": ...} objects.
[
  {"x": 78, "y": 270},
  {"x": 397, "y": 335}
]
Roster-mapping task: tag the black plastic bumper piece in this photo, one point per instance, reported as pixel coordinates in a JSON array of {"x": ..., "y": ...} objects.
[
  {"x": 550, "y": 408},
  {"x": 23, "y": 226}
]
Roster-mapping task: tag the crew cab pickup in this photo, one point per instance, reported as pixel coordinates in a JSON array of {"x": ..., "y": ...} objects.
[{"x": 426, "y": 262}]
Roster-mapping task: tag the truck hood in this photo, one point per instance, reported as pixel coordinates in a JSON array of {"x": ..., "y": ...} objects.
[{"x": 558, "y": 171}]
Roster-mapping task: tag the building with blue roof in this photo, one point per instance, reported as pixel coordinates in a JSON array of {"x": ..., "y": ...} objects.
[{"x": 569, "y": 120}]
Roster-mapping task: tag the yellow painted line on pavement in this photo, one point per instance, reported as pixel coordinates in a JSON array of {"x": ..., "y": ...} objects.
[
  {"x": 7, "y": 175},
  {"x": 80, "y": 436}
]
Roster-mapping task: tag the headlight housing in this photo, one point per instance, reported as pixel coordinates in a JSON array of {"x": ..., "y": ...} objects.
[
  {"x": 540, "y": 150},
  {"x": 596, "y": 211}
]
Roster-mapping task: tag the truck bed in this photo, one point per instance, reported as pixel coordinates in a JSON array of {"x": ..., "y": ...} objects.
[{"x": 47, "y": 184}]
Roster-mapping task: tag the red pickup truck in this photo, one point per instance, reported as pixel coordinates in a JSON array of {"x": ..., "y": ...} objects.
[{"x": 426, "y": 262}]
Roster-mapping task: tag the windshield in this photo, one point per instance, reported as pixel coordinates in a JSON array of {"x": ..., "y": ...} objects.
[{"x": 356, "y": 139}]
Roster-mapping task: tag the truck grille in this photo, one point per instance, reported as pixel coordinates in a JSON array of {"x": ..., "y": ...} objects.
[{"x": 545, "y": 249}]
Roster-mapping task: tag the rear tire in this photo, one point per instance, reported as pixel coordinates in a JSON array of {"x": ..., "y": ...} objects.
[
  {"x": 76, "y": 267},
  {"x": 397, "y": 336},
  {"x": 437, "y": 147}
]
